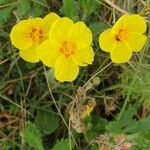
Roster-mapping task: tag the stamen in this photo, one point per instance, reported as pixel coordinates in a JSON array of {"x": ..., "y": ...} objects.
[
  {"x": 67, "y": 49},
  {"x": 36, "y": 35},
  {"x": 122, "y": 35}
]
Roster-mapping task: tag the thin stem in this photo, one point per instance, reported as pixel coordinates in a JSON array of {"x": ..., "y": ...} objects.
[
  {"x": 114, "y": 6},
  {"x": 97, "y": 74},
  {"x": 58, "y": 110},
  {"x": 8, "y": 5},
  {"x": 23, "y": 102}
]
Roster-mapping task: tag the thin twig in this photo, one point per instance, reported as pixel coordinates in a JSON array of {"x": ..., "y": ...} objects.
[
  {"x": 8, "y": 5},
  {"x": 115, "y": 6},
  {"x": 54, "y": 101},
  {"x": 97, "y": 73}
]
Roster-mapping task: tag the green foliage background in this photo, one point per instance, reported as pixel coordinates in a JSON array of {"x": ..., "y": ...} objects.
[{"x": 29, "y": 93}]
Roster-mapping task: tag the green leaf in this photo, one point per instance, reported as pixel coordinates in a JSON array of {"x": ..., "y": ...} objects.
[
  {"x": 94, "y": 147},
  {"x": 5, "y": 14},
  {"x": 99, "y": 124},
  {"x": 23, "y": 7},
  {"x": 47, "y": 121},
  {"x": 91, "y": 135},
  {"x": 7, "y": 6},
  {"x": 69, "y": 9},
  {"x": 129, "y": 125},
  {"x": 41, "y": 2},
  {"x": 2, "y": 2},
  {"x": 88, "y": 7},
  {"x": 63, "y": 144},
  {"x": 126, "y": 123},
  {"x": 113, "y": 127},
  {"x": 127, "y": 117},
  {"x": 37, "y": 10},
  {"x": 145, "y": 124},
  {"x": 141, "y": 141},
  {"x": 32, "y": 136},
  {"x": 98, "y": 27}
]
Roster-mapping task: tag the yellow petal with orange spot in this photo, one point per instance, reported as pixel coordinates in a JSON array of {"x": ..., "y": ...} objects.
[
  {"x": 121, "y": 23},
  {"x": 20, "y": 35}
]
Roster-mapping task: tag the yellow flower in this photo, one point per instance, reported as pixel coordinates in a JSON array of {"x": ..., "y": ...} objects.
[
  {"x": 68, "y": 47},
  {"x": 125, "y": 37},
  {"x": 28, "y": 34},
  {"x": 88, "y": 110}
]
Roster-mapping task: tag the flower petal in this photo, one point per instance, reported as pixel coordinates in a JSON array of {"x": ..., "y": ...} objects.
[
  {"x": 49, "y": 52},
  {"x": 83, "y": 57},
  {"x": 48, "y": 21},
  {"x": 136, "y": 23},
  {"x": 137, "y": 41},
  {"x": 121, "y": 54},
  {"x": 66, "y": 69},
  {"x": 30, "y": 55},
  {"x": 81, "y": 35},
  {"x": 106, "y": 41},
  {"x": 19, "y": 35},
  {"x": 51, "y": 18},
  {"x": 60, "y": 29},
  {"x": 121, "y": 23}
]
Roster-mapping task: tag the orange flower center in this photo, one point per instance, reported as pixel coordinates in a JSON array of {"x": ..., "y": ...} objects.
[
  {"x": 122, "y": 34},
  {"x": 67, "y": 48},
  {"x": 36, "y": 35}
]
